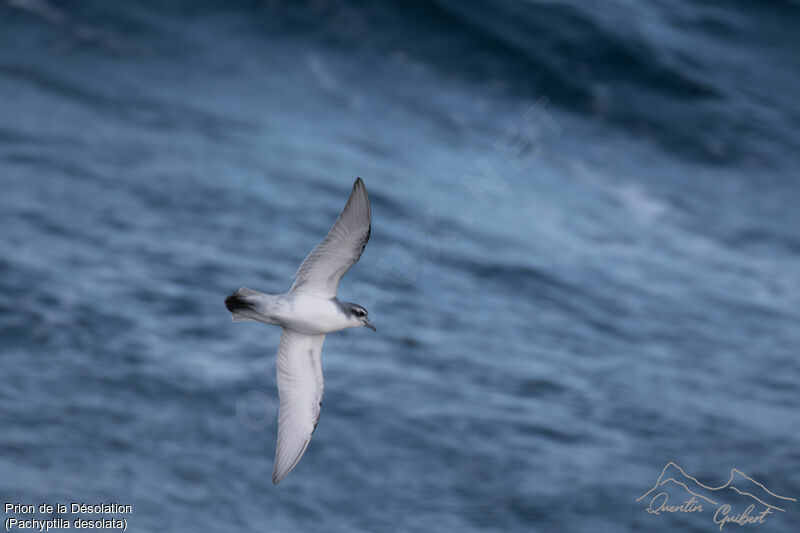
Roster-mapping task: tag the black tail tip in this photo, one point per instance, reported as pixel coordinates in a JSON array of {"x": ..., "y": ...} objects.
[{"x": 234, "y": 302}]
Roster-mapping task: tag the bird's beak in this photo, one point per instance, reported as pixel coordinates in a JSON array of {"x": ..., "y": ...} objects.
[{"x": 370, "y": 325}]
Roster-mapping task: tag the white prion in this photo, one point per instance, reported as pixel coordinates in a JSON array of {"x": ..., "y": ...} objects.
[{"x": 307, "y": 313}]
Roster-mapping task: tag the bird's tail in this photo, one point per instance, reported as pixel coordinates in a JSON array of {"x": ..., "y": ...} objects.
[{"x": 242, "y": 305}]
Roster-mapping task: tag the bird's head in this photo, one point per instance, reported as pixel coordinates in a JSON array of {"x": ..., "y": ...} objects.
[{"x": 358, "y": 316}]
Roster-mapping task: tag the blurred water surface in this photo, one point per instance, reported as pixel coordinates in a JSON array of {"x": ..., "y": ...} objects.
[{"x": 554, "y": 325}]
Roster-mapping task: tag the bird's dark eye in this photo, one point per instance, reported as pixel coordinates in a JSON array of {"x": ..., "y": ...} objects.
[{"x": 361, "y": 313}]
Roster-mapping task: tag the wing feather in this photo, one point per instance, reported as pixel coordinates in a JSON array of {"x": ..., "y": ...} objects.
[
  {"x": 323, "y": 268},
  {"x": 300, "y": 388}
]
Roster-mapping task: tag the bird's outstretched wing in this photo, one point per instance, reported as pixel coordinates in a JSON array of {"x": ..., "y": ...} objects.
[
  {"x": 300, "y": 387},
  {"x": 321, "y": 271}
]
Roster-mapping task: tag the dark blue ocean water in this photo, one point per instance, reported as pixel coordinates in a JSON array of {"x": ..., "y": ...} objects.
[{"x": 584, "y": 263}]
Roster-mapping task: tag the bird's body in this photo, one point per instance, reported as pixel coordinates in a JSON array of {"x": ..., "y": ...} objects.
[
  {"x": 300, "y": 312},
  {"x": 308, "y": 312}
]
